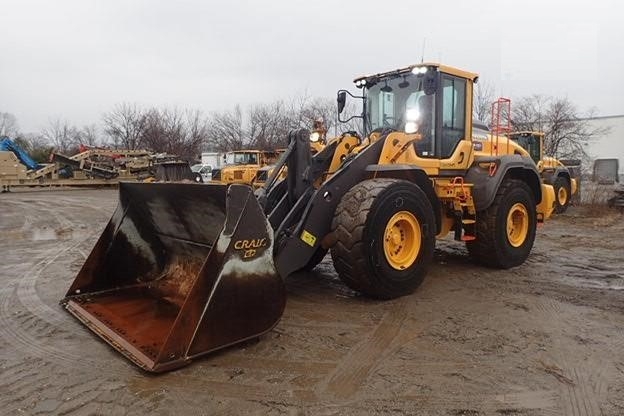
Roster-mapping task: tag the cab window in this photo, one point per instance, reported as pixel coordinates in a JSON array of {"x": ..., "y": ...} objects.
[{"x": 453, "y": 113}]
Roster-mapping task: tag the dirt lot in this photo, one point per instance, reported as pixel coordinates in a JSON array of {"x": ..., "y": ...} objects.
[{"x": 546, "y": 338}]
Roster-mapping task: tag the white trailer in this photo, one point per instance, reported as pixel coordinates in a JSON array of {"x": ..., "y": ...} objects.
[{"x": 212, "y": 159}]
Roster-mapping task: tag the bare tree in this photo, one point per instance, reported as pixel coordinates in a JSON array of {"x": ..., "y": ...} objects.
[
  {"x": 319, "y": 108},
  {"x": 125, "y": 125},
  {"x": 8, "y": 125},
  {"x": 175, "y": 132},
  {"x": 88, "y": 135},
  {"x": 266, "y": 126},
  {"x": 225, "y": 130},
  {"x": 62, "y": 135},
  {"x": 566, "y": 130},
  {"x": 482, "y": 102},
  {"x": 196, "y": 132},
  {"x": 269, "y": 125}
]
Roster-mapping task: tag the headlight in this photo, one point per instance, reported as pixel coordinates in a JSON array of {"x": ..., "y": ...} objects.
[
  {"x": 411, "y": 127},
  {"x": 419, "y": 70},
  {"x": 314, "y": 137},
  {"x": 412, "y": 114}
]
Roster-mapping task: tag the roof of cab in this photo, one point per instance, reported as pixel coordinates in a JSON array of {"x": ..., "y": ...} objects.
[{"x": 440, "y": 67}]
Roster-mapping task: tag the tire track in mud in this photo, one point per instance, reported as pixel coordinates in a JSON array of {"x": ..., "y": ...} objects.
[
  {"x": 546, "y": 401},
  {"x": 26, "y": 290},
  {"x": 352, "y": 372},
  {"x": 40, "y": 337},
  {"x": 549, "y": 307},
  {"x": 588, "y": 388},
  {"x": 583, "y": 384},
  {"x": 40, "y": 330},
  {"x": 33, "y": 388},
  {"x": 515, "y": 403},
  {"x": 27, "y": 294}
]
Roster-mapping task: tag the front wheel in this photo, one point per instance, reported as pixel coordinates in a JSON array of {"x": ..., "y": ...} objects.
[
  {"x": 385, "y": 231},
  {"x": 506, "y": 230}
]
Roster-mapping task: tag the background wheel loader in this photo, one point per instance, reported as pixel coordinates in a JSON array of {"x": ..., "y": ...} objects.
[
  {"x": 184, "y": 269},
  {"x": 242, "y": 166},
  {"x": 553, "y": 171}
]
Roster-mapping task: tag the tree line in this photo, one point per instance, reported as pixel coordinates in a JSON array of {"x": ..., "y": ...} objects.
[
  {"x": 182, "y": 132},
  {"x": 188, "y": 132}
]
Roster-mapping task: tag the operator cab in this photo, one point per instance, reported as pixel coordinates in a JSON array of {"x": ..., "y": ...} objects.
[
  {"x": 531, "y": 142},
  {"x": 242, "y": 157},
  {"x": 429, "y": 99}
]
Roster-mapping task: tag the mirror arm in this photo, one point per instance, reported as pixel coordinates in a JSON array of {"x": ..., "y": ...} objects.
[
  {"x": 362, "y": 116},
  {"x": 349, "y": 119}
]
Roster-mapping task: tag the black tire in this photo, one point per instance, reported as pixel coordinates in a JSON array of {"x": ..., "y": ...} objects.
[
  {"x": 492, "y": 246},
  {"x": 562, "y": 184},
  {"x": 359, "y": 225}
]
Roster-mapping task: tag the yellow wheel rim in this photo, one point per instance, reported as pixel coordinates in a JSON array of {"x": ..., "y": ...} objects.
[
  {"x": 562, "y": 195},
  {"x": 517, "y": 225},
  {"x": 402, "y": 240}
]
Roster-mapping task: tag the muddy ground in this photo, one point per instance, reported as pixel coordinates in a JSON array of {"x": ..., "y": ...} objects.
[{"x": 546, "y": 338}]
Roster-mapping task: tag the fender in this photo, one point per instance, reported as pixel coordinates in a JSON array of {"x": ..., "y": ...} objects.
[
  {"x": 485, "y": 185},
  {"x": 550, "y": 176},
  {"x": 412, "y": 174}
]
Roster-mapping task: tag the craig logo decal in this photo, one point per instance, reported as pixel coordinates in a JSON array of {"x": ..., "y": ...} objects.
[{"x": 250, "y": 247}]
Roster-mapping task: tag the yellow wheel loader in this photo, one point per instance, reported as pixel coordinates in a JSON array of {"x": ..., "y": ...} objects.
[
  {"x": 185, "y": 269},
  {"x": 553, "y": 171},
  {"x": 242, "y": 166}
]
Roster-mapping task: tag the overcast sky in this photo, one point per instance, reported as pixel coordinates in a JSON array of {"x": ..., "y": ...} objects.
[{"x": 77, "y": 59}]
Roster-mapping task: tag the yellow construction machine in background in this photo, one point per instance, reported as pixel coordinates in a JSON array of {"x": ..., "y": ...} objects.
[
  {"x": 553, "y": 171},
  {"x": 242, "y": 166}
]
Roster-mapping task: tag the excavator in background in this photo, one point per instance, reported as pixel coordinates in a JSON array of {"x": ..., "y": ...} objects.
[{"x": 185, "y": 269}]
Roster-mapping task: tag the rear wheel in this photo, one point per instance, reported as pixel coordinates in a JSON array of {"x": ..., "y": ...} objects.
[
  {"x": 562, "y": 194},
  {"x": 506, "y": 230},
  {"x": 385, "y": 231}
]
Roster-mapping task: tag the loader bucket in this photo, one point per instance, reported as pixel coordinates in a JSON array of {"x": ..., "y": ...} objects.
[{"x": 179, "y": 271}]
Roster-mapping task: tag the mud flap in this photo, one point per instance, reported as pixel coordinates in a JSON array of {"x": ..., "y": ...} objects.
[{"x": 179, "y": 271}]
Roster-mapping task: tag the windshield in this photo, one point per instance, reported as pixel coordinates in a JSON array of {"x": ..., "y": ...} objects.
[
  {"x": 242, "y": 158},
  {"x": 401, "y": 104},
  {"x": 530, "y": 143},
  {"x": 391, "y": 103}
]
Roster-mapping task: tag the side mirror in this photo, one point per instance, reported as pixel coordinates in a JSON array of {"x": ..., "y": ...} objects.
[{"x": 341, "y": 100}]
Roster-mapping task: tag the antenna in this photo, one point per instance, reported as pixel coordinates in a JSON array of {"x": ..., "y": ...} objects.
[{"x": 422, "y": 56}]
